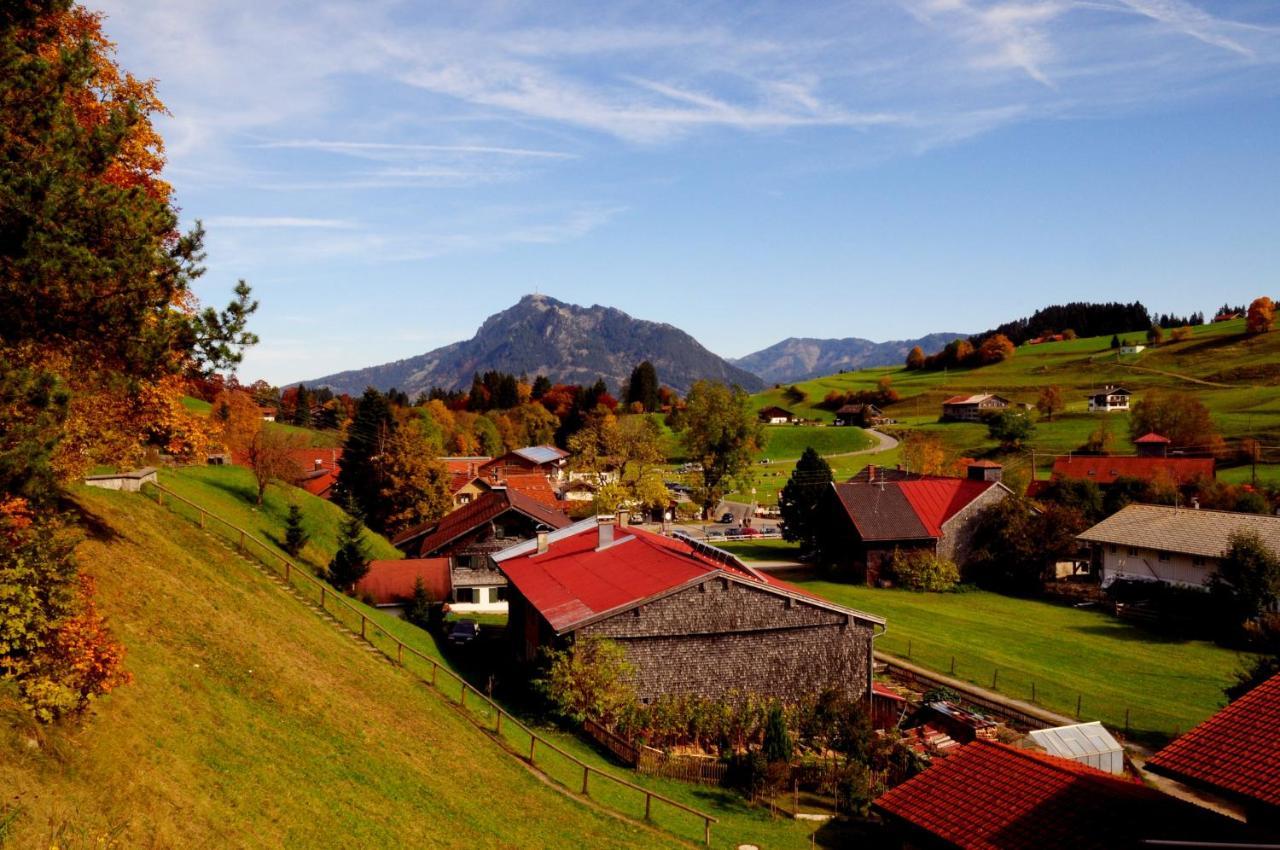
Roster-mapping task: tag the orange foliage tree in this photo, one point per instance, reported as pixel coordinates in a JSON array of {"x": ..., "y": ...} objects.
[{"x": 1261, "y": 316}]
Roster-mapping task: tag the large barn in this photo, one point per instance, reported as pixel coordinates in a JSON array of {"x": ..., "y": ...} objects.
[{"x": 691, "y": 618}]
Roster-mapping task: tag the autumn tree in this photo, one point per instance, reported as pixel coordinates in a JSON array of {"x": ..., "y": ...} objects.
[
  {"x": 1180, "y": 416},
  {"x": 804, "y": 498},
  {"x": 1261, "y": 316},
  {"x": 270, "y": 454},
  {"x": 413, "y": 485},
  {"x": 1010, "y": 427},
  {"x": 915, "y": 358},
  {"x": 236, "y": 418},
  {"x": 1155, "y": 334},
  {"x": 723, "y": 434},
  {"x": 1050, "y": 401},
  {"x": 370, "y": 429},
  {"x": 995, "y": 349},
  {"x": 591, "y": 680},
  {"x": 924, "y": 452}
]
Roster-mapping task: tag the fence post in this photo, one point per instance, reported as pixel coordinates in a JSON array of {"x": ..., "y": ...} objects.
[
  {"x": 363, "y": 620},
  {"x": 1079, "y": 698},
  {"x": 322, "y": 597},
  {"x": 160, "y": 497},
  {"x": 533, "y": 742},
  {"x": 648, "y": 801},
  {"x": 464, "y": 695},
  {"x": 202, "y": 519},
  {"x": 953, "y": 665},
  {"x": 1033, "y": 692},
  {"x": 287, "y": 569},
  {"x": 586, "y": 772},
  {"x": 498, "y": 730},
  {"x": 242, "y": 541},
  {"x": 433, "y": 673},
  {"x": 400, "y": 653},
  {"x": 706, "y": 829},
  {"x": 995, "y": 678}
]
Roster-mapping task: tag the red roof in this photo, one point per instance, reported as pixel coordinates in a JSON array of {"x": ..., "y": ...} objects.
[
  {"x": 574, "y": 580},
  {"x": 1236, "y": 752},
  {"x": 391, "y": 582},
  {"x": 532, "y": 484},
  {"x": 1105, "y": 469},
  {"x": 484, "y": 508},
  {"x": 990, "y": 796},
  {"x": 936, "y": 500},
  {"x": 316, "y": 468},
  {"x": 1153, "y": 437}
]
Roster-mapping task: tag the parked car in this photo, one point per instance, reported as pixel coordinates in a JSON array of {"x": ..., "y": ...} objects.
[
  {"x": 748, "y": 531},
  {"x": 727, "y": 517},
  {"x": 714, "y": 532},
  {"x": 768, "y": 529},
  {"x": 463, "y": 632}
]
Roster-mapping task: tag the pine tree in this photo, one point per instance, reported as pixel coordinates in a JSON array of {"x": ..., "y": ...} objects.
[
  {"x": 642, "y": 387},
  {"x": 802, "y": 499},
  {"x": 777, "y": 740},
  {"x": 302, "y": 407},
  {"x": 420, "y": 606},
  {"x": 1115, "y": 341},
  {"x": 370, "y": 431},
  {"x": 295, "y": 536},
  {"x": 351, "y": 562}
]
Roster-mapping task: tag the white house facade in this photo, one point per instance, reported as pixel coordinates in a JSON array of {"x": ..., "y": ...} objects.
[{"x": 1109, "y": 400}]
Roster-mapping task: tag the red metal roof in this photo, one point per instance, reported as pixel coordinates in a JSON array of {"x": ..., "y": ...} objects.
[
  {"x": 391, "y": 582},
  {"x": 574, "y": 580},
  {"x": 1152, "y": 437},
  {"x": 1237, "y": 751},
  {"x": 936, "y": 500},
  {"x": 1105, "y": 469},
  {"x": 989, "y": 796}
]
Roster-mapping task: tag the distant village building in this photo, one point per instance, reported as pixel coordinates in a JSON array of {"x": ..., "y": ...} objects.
[
  {"x": 875, "y": 516},
  {"x": 463, "y": 471},
  {"x": 468, "y": 535},
  {"x": 776, "y": 416},
  {"x": 1152, "y": 464},
  {"x": 971, "y": 408},
  {"x": 1132, "y": 348},
  {"x": 1109, "y": 400},
  {"x": 549, "y": 460},
  {"x": 692, "y": 619},
  {"x": 1177, "y": 546},
  {"x": 859, "y": 414}
]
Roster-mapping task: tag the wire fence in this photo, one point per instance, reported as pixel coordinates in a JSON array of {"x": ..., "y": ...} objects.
[{"x": 574, "y": 775}]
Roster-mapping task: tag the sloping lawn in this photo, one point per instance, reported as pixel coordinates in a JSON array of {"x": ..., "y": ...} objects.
[
  {"x": 1168, "y": 685},
  {"x": 788, "y": 442}
]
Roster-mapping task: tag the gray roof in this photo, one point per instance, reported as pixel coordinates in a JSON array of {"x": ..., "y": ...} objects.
[
  {"x": 541, "y": 454},
  {"x": 880, "y": 512},
  {"x": 1183, "y": 530},
  {"x": 1074, "y": 742}
]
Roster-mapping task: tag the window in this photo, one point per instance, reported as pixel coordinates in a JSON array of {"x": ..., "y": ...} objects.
[
  {"x": 500, "y": 594},
  {"x": 1197, "y": 561},
  {"x": 1133, "y": 553},
  {"x": 466, "y": 594},
  {"x": 1114, "y": 548},
  {"x": 1164, "y": 556}
]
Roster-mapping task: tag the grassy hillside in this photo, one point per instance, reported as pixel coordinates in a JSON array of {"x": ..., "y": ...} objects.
[
  {"x": 1237, "y": 377},
  {"x": 788, "y": 442},
  {"x": 308, "y": 436},
  {"x": 253, "y": 723}
]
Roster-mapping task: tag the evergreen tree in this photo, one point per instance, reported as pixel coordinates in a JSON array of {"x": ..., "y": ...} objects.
[
  {"x": 777, "y": 739},
  {"x": 420, "y": 606},
  {"x": 803, "y": 498},
  {"x": 371, "y": 429},
  {"x": 295, "y": 536},
  {"x": 643, "y": 387},
  {"x": 1115, "y": 341},
  {"x": 351, "y": 562},
  {"x": 302, "y": 407},
  {"x": 540, "y": 386}
]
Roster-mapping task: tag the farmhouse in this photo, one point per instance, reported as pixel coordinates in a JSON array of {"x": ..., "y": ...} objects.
[
  {"x": 1152, "y": 464},
  {"x": 390, "y": 583},
  {"x": 859, "y": 414},
  {"x": 1109, "y": 399},
  {"x": 990, "y": 796},
  {"x": 1178, "y": 546},
  {"x": 548, "y": 460},
  {"x": 1132, "y": 348},
  {"x": 873, "y": 518},
  {"x": 469, "y": 534},
  {"x": 1235, "y": 753},
  {"x": 971, "y": 408},
  {"x": 692, "y": 619},
  {"x": 776, "y": 416}
]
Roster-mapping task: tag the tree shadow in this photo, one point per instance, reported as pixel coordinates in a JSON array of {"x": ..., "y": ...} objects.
[{"x": 93, "y": 525}]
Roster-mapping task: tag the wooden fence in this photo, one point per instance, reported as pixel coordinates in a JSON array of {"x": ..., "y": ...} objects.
[
  {"x": 704, "y": 770},
  {"x": 514, "y": 737}
]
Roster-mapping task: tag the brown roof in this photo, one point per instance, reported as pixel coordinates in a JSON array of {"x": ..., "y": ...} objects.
[
  {"x": 1235, "y": 752},
  {"x": 880, "y": 512},
  {"x": 990, "y": 796},
  {"x": 428, "y": 538},
  {"x": 1183, "y": 530}
]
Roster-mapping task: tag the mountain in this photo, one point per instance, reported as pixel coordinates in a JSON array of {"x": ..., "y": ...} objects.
[
  {"x": 799, "y": 359},
  {"x": 565, "y": 342}
]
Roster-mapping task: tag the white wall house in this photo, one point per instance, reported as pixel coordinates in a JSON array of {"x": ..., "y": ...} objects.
[
  {"x": 1133, "y": 348},
  {"x": 1109, "y": 399},
  {"x": 1178, "y": 546}
]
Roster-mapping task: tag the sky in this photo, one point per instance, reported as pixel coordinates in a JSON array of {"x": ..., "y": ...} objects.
[{"x": 386, "y": 175}]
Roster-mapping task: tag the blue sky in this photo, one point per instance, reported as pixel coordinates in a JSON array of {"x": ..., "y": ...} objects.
[{"x": 388, "y": 174}]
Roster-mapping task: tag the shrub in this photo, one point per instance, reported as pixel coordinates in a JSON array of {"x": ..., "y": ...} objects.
[
  {"x": 592, "y": 679},
  {"x": 922, "y": 570},
  {"x": 747, "y": 772},
  {"x": 777, "y": 739}
]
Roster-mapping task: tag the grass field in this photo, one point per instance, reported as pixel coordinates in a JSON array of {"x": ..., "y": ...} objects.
[
  {"x": 251, "y": 722},
  {"x": 1167, "y": 685},
  {"x": 788, "y": 442}
]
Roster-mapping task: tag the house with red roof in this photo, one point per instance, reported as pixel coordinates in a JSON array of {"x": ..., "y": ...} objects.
[
  {"x": 878, "y": 513},
  {"x": 1234, "y": 754},
  {"x": 390, "y": 583},
  {"x": 549, "y": 460},
  {"x": 990, "y": 796},
  {"x": 315, "y": 469},
  {"x": 463, "y": 472},
  {"x": 1152, "y": 464},
  {"x": 468, "y": 535},
  {"x": 971, "y": 408},
  {"x": 691, "y": 618}
]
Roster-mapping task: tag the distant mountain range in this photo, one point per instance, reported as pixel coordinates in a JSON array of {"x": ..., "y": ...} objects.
[
  {"x": 565, "y": 342},
  {"x": 799, "y": 359}
]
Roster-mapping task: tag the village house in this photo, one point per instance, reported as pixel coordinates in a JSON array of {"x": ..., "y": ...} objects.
[
  {"x": 776, "y": 416},
  {"x": 390, "y": 583},
  {"x": 548, "y": 460},
  {"x": 971, "y": 408},
  {"x": 885, "y": 511},
  {"x": 463, "y": 471},
  {"x": 468, "y": 535},
  {"x": 692, "y": 619},
  {"x": 859, "y": 414},
  {"x": 1151, "y": 464},
  {"x": 991, "y": 796},
  {"x": 1109, "y": 400},
  {"x": 1178, "y": 546},
  {"x": 1132, "y": 348},
  {"x": 1234, "y": 754}
]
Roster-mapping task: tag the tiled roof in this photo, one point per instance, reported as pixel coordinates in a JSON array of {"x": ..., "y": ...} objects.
[
  {"x": 1236, "y": 752},
  {"x": 907, "y": 508},
  {"x": 989, "y": 796},
  {"x": 390, "y": 582},
  {"x": 1183, "y": 530},
  {"x": 776, "y": 411},
  {"x": 575, "y": 581},
  {"x": 484, "y": 508},
  {"x": 532, "y": 484},
  {"x": 1105, "y": 469}
]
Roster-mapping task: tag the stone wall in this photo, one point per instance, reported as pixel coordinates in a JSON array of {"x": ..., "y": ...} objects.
[
  {"x": 725, "y": 635},
  {"x": 957, "y": 532}
]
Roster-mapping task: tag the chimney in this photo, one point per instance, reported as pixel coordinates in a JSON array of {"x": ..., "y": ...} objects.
[
  {"x": 604, "y": 525},
  {"x": 871, "y": 472},
  {"x": 542, "y": 540},
  {"x": 624, "y": 519},
  {"x": 319, "y": 463},
  {"x": 985, "y": 470}
]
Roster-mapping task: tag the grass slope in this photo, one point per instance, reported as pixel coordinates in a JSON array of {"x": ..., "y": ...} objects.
[
  {"x": 788, "y": 442},
  {"x": 253, "y": 723},
  {"x": 1168, "y": 685}
]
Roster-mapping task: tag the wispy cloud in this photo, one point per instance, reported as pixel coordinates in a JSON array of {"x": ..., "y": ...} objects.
[
  {"x": 255, "y": 222},
  {"x": 1192, "y": 21},
  {"x": 379, "y": 150}
]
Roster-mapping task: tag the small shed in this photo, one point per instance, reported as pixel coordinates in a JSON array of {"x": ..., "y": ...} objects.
[
  {"x": 129, "y": 482},
  {"x": 1087, "y": 743}
]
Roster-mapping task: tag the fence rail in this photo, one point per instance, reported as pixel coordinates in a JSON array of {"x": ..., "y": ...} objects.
[{"x": 482, "y": 711}]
